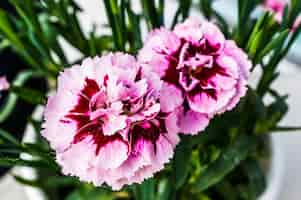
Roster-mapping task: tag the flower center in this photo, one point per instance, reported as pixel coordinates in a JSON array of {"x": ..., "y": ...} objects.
[{"x": 94, "y": 115}]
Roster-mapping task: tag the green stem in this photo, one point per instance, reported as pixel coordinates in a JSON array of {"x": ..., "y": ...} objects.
[{"x": 7, "y": 108}]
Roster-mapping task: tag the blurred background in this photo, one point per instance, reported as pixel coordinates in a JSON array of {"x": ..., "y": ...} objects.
[{"x": 289, "y": 82}]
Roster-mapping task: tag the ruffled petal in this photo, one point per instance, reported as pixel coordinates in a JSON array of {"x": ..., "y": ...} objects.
[
  {"x": 193, "y": 122},
  {"x": 171, "y": 97}
]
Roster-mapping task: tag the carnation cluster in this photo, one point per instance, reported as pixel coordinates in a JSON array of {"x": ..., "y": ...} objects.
[{"x": 116, "y": 120}]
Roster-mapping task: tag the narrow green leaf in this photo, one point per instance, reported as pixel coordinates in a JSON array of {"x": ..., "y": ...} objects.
[
  {"x": 206, "y": 7},
  {"x": 115, "y": 21},
  {"x": 150, "y": 13},
  {"x": 278, "y": 41},
  {"x": 7, "y": 30},
  {"x": 147, "y": 189},
  {"x": 61, "y": 181},
  {"x": 29, "y": 95},
  {"x": 227, "y": 190},
  {"x": 8, "y": 137},
  {"x": 258, "y": 26},
  {"x": 255, "y": 43},
  {"x": 181, "y": 164},
  {"x": 276, "y": 111},
  {"x": 5, "y": 43},
  {"x": 11, "y": 162},
  {"x": 286, "y": 128},
  {"x": 28, "y": 182},
  {"x": 164, "y": 189},
  {"x": 134, "y": 29},
  {"x": 95, "y": 194},
  {"x": 182, "y": 11},
  {"x": 257, "y": 183},
  {"x": 7, "y": 108},
  {"x": 228, "y": 160}
]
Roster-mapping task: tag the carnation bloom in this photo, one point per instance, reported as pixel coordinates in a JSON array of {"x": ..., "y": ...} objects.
[
  {"x": 277, "y": 7},
  {"x": 4, "y": 84},
  {"x": 204, "y": 74},
  {"x": 105, "y": 122}
]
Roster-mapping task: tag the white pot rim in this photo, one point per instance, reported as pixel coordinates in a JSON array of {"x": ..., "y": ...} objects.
[{"x": 276, "y": 172}]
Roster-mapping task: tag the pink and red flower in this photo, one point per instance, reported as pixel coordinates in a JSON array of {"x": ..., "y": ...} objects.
[
  {"x": 277, "y": 7},
  {"x": 4, "y": 84},
  {"x": 105, "y": 122},
  {"x": 204, "y": 74}
]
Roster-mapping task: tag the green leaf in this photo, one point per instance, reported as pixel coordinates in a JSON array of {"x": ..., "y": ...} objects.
[
  {"x": 11, "y": 162},
  {"x": 164, "y": 189},
  {"x": 182, "y": 11},
  {"x": 5, "y": 43},
  {"x": 60, "y": 181},
  {"x": 7, "y": 30},
  {"x": 256, "y": 110},
  {"x": 51, "y": 36},
  {"x": 181, "y": 164},
  {"x": 257, "y": 183},
  {"x": 286, "y": 128},
  {"x": 66, "y": 23},
  {"x": 255, "y": 43},
  {"x": 245, "y": 8},
  {"x": 7, "y": 108},
  {"x": 88, "y": 193},
  {"x": 116, "y": 22},
  {"x": 151, "y": 14},
  {"x": 275, "y": 43},
  {"x": 276, "y": 111},
  {"x": 29, "y": 182},
  {"x": 147, "y": 189},
  {"x": 134, "y": 29},
  {"x": 206, "y": 7},
  {"x": 30, "y": 95},
  {"x": 229, "y": 159},
  {"x": 8, "y": 137},
  {"x": 227, "y": 190}
]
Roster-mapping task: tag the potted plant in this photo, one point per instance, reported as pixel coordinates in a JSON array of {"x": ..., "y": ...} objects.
[{"x": 169, "y": 116}]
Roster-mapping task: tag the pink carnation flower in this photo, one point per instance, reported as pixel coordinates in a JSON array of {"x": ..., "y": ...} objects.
[
  {"x": 4, "y": 84},
  {"x": 296, "y": 24},
  {"x": 277, "y": 7},
  {"x": 105, "y": 122},
  {"x": 204, "y": 74}
]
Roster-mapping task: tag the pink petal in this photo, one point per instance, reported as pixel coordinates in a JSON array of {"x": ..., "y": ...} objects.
[
  {"x": 107, "y": 158},
  {"x": 4, "y": 84},
  {"x": 212, "y": 34},
  {"x": 190, "y": 29},
  {"x": 192, "y": 122},
  {"x": 171, "y": 97},
  {"x": 159, "y": 45},
  {"x": 114, "y": 124}
]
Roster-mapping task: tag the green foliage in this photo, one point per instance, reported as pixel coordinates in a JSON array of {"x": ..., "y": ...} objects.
[
  {"x": 30, "y": 95},
  {"x": 227, "y": 161},
  {"x": 256, "y": 178},
  {"x": 10, "y": 102},
  {"x": 181, "y": 164},
  {"x": 88, "y": 193},
  {"x": 146, "y": 190},
  {"x": 223, "y": 162},
  {"x": 153, "y": 13},
  {"x": 182, "y": 11}
]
